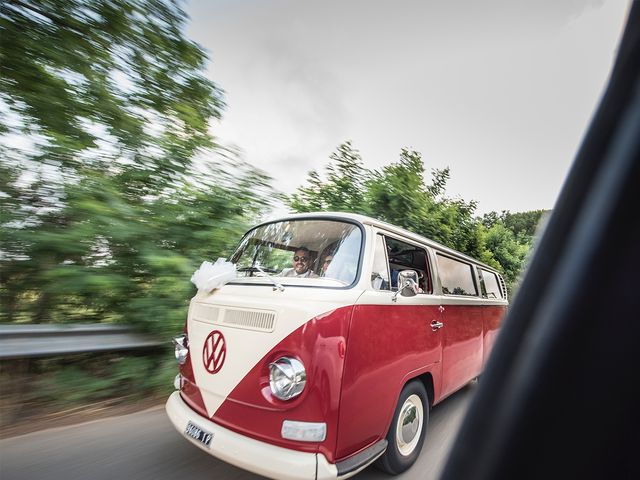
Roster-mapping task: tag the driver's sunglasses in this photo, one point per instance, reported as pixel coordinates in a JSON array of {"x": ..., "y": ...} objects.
[{"x": 300, "y": 259}]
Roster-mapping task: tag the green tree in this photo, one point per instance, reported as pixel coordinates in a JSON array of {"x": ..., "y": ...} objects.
[
  {"x": 502, "y": 247},
  {"x": 523, "y": 224},
  {"x": 342, "y": 190},
  {"x": 399, "y": 194},
  {"x": 112, "y": 191},
  {"x": 510, "y": 237},
  {"x": 79, "y": 76}
]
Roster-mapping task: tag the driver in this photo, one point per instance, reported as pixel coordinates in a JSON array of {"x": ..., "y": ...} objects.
[{"x": 301, "y": 263}]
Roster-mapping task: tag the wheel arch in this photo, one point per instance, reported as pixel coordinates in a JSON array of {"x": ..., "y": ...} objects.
[{"x": 427, "y": 380}]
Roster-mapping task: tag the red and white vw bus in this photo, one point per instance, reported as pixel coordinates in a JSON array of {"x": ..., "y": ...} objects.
[{"x": 328, "y": 350}]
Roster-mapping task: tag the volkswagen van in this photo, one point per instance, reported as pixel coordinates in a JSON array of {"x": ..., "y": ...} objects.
[{"x": 329, "y": 347}]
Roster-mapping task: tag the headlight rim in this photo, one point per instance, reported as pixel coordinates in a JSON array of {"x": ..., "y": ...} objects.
[{"x": 294, "y": 370}]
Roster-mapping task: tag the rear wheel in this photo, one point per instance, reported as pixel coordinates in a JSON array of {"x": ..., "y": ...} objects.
[{"x": 407, "y": 431}]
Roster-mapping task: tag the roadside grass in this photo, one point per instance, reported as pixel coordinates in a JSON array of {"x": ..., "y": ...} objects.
[{"x": 44, "y": 388}]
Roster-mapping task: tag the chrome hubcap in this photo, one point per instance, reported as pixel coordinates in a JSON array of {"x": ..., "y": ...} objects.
[{"x": 409, "y": 426}]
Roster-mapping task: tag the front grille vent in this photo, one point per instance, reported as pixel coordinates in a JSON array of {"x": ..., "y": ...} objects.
[
  {"x": 250, "y": 319},
  {"x": 258, "y": 320}
]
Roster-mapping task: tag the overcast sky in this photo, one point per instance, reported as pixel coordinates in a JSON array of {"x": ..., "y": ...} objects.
[{"x": 499, "y": 91}]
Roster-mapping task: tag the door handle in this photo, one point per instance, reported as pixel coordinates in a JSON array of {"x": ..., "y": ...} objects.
[{"x": 436, "y": 325}]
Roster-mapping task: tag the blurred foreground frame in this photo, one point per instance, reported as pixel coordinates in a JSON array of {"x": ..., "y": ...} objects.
[{"x": 558, "y": 398}]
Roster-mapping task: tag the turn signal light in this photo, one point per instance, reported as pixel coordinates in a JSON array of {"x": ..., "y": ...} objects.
[{"x": 181, "y": 344}]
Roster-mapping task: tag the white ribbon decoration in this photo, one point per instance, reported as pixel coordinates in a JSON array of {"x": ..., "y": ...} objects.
[{"x": 213, "y": 275}]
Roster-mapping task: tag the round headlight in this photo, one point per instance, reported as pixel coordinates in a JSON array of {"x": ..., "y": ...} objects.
[
  {"x": 181, "y": 344},
  {"x": 287, "y": 378}
]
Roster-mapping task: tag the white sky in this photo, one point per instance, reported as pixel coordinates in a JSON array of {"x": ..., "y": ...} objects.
[{"x": 500, "y": 91}]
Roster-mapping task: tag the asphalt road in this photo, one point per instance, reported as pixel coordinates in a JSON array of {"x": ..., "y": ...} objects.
[{"x": 144, "y": 445}]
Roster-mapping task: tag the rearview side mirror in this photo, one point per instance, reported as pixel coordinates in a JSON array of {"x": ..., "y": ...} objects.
[{"x": 407, "y": 284}]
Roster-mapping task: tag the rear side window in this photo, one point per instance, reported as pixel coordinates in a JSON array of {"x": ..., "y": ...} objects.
[
  {"x": 456, "y": 277},
  {"x": 491, "y": 285}
]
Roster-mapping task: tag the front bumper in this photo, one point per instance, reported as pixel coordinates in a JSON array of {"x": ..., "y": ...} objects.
[{"x": 250, "y": 454}]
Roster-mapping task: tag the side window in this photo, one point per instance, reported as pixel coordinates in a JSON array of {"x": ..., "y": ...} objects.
[
  {"x": 380, "y": 272},
  {"x": 491, "y": 285},
  {"x": 404, "y": 256},
  {"x": 456, "y": 277}
]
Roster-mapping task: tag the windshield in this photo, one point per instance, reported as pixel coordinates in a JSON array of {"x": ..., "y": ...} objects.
[{"x": 302, "y": 249}]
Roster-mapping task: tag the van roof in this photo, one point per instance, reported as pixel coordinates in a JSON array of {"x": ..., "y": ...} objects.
[{"x": 364, "y": 220}]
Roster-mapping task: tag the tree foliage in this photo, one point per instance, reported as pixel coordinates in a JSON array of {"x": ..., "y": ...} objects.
[
  {"x": 398, "y": 193},
  {"x": 112, "y": 191},
  {"x": 78, "y": 75},
  {"x": 523, "y": 224},
  {"x": 343, "y": 190}
]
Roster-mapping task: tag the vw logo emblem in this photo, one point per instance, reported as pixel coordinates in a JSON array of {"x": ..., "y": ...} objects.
[{"x": 214, "y": 352}]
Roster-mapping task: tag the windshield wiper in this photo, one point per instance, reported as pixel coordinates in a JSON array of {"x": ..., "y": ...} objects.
[{"x": 277, "y": 285}]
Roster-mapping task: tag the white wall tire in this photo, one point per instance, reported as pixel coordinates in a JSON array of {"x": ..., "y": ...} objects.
[
  {"x": 409, "y": 425},
  {"x": 407, "y": 431}
]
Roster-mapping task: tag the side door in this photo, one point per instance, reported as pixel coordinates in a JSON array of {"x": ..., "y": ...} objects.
[
  {"x": 389, "y": 341},
  {"x": 462, "y": 316}
]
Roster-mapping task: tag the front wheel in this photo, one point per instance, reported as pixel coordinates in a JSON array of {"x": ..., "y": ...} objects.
[{"x": 407, "y": 431}]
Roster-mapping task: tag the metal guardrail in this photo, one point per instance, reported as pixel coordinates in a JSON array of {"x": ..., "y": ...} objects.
[{"x": 26, "y": 341}]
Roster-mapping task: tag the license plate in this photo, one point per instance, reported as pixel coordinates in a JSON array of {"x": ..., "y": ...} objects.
[{"x": 198, "y": 434}]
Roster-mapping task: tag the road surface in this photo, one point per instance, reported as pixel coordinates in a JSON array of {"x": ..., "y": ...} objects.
[{"x": 144, "y": 445}]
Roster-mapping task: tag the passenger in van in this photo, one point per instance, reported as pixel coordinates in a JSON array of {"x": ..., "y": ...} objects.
[
  {"x": 301, "y": 262},
  {"x": 325, "y": 265},
  {"x": 394, "y": 278},
  {"x": 422, "y": 284}
]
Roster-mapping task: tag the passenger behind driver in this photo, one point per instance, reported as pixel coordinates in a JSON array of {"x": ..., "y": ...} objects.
[{"x": 326, "y": 264}]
